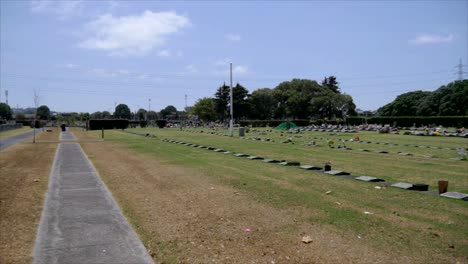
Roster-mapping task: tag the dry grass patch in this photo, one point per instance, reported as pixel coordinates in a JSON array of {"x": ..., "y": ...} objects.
[
  {"x": 25, "y": 169},
  {"x": 186, "y": 216}
]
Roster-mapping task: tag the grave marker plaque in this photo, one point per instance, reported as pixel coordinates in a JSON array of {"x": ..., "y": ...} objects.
[
  {"x": 369, "y": 179},
  {"x": 403, "y": 185},
  {"x": 455, "y": 195},
  {"x": 337, "y": 172}
]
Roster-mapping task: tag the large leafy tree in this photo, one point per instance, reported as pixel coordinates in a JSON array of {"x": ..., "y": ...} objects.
[
  {"x": 205, "y": 109},
  {"x": 294, "y": 98},
  {"x": 169, "y": 111},
  {"x": 43, "y": 112},
  {"x": 141, "y": 114},
  {"x": 263, "y": 104},
  {"x": 122, "y": 112},
  {"x": 330, "y": 105},
  {"x": 405, "y": 104},
  {"x": 152, "y": 115},
  {"x": 448, "y": 100},
  {"x": 5, "y": 111}
]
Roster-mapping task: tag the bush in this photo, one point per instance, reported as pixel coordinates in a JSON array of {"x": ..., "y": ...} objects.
[
  {"x": 143, "y": 124},
  {"x": 409, "y": 121},
  {"x": 97, "y": 124},
  {"x": 161, "y": 123}
]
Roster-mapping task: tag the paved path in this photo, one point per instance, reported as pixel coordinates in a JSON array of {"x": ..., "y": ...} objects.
[
  {"x": 81, "y": 222},
  {"x": 10, "y": 141}
]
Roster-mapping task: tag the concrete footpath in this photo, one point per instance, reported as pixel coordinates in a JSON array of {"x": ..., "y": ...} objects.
[
  {"x": 81, "y": 222},
  {"x": 10, "y": 141}
]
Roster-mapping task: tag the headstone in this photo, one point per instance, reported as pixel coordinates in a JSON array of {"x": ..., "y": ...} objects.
[
  {"x": 403, "y": 185},
  {"x": 226, "y": 152},
  {"x": 369, "y": 179},
  {"x": 455, "y": 195},
  {"x": 364, "y": 150},
  {"x": 219, "y": 150},
  {"x": 210, "y": 148},
  {"x": 240, "y": 155},
  {"x": 310, "y": 167},
  {"x": 290, "y": 163},
  {"x": 405, "y": 154},
  {"x": 254, "y": 158},
  {"x": 382, "y": 152},
  {"x": 271, "y": 161},
  {"x": 337, "y": 172},
  {"x": 202, "y": 147}
]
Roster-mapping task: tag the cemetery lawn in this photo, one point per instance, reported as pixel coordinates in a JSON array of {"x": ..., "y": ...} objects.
[
  {"x": 13, "y": 132},
  {"x": 193, "y": 205},
  {"x": 24, "y": 174}
]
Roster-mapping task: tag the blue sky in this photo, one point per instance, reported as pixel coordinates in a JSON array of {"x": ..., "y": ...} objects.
[{"x": 86, "y": 56}]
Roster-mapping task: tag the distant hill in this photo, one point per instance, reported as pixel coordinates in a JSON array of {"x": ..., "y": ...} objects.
[{"x": 448, "y": 100}]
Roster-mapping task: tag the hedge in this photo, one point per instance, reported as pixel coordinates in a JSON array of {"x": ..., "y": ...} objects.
[
  {"x": 409, "y": 121},
  {"x": 161, "y": 123},
  {"x": 401, "y": 121},
  {"x": 97, "y": 124}
]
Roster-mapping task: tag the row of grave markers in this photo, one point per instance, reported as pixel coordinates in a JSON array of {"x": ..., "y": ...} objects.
[{"x": 402, "y": 185}]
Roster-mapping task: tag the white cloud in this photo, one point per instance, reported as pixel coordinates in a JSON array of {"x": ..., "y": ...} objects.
[
  {"x": 233, "y": 37},
  {"x": 63, "y": 9},
  {"x": 422, "y": 39},
  {"x": 67, "y": 66},
  {"x": 191, "y": 69},
  {"x": 222, "y": 62},
  {"x": 132, "y": 35},
  {"x": 108, "y": 73},
  {"x": 241, "y": 69},
  {"x": 164, "y": 53}
]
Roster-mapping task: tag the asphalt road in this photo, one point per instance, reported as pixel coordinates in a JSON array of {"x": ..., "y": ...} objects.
[
  {"x": 81, "y": 222},
  {"x": 10, "y": 141}
]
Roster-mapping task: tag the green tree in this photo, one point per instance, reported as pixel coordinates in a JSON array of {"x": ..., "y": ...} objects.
[
  {"x": 96, "y": 115},
  {"x": 406, "y": 104},
  {"x": 141, "y": 114},
  {"x": 5, "y": 111},
  {"x": 241, "y": 105},
  {"x": 122, "y": 112},
  {"x": 263, "y": 104},
  {"x": 43, "y": 112},
  {"x": 294, "y": 98},
  {"x": 169, "y": 112},
  {"x": 331, "y": 84},
  {"x": 205, "y": 109},
  {"x": 152, "y": 115},
  {"x": 106, "y": 115},
  {"x": 221, "y": 102}
]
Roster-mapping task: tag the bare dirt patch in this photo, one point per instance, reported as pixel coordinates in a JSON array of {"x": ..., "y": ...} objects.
[
  {"x": 24, "y": 173},
  {"x": 184, "y": 216}
]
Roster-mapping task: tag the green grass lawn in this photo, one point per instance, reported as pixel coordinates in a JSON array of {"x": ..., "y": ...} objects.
[
  {"x": 405, "y": 221},
  {"x": 13, "y": 132},
  {"x": 391, "y": 167}
]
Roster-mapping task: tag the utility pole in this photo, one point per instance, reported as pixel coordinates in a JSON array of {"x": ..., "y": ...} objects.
[
  {"x": 231, "y": 125},
  {"x": 460, "y": 70},
  {"x": 6, "y": 96},
  {"x": 36, "y": 102}
]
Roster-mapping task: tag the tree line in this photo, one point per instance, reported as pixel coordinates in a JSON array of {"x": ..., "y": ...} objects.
[
  {"x": 448, "y": 100},
  {"x": 295, "y": 99}
]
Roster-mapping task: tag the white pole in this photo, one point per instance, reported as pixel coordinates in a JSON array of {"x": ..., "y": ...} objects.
[{"x": 231, "y": 128}]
